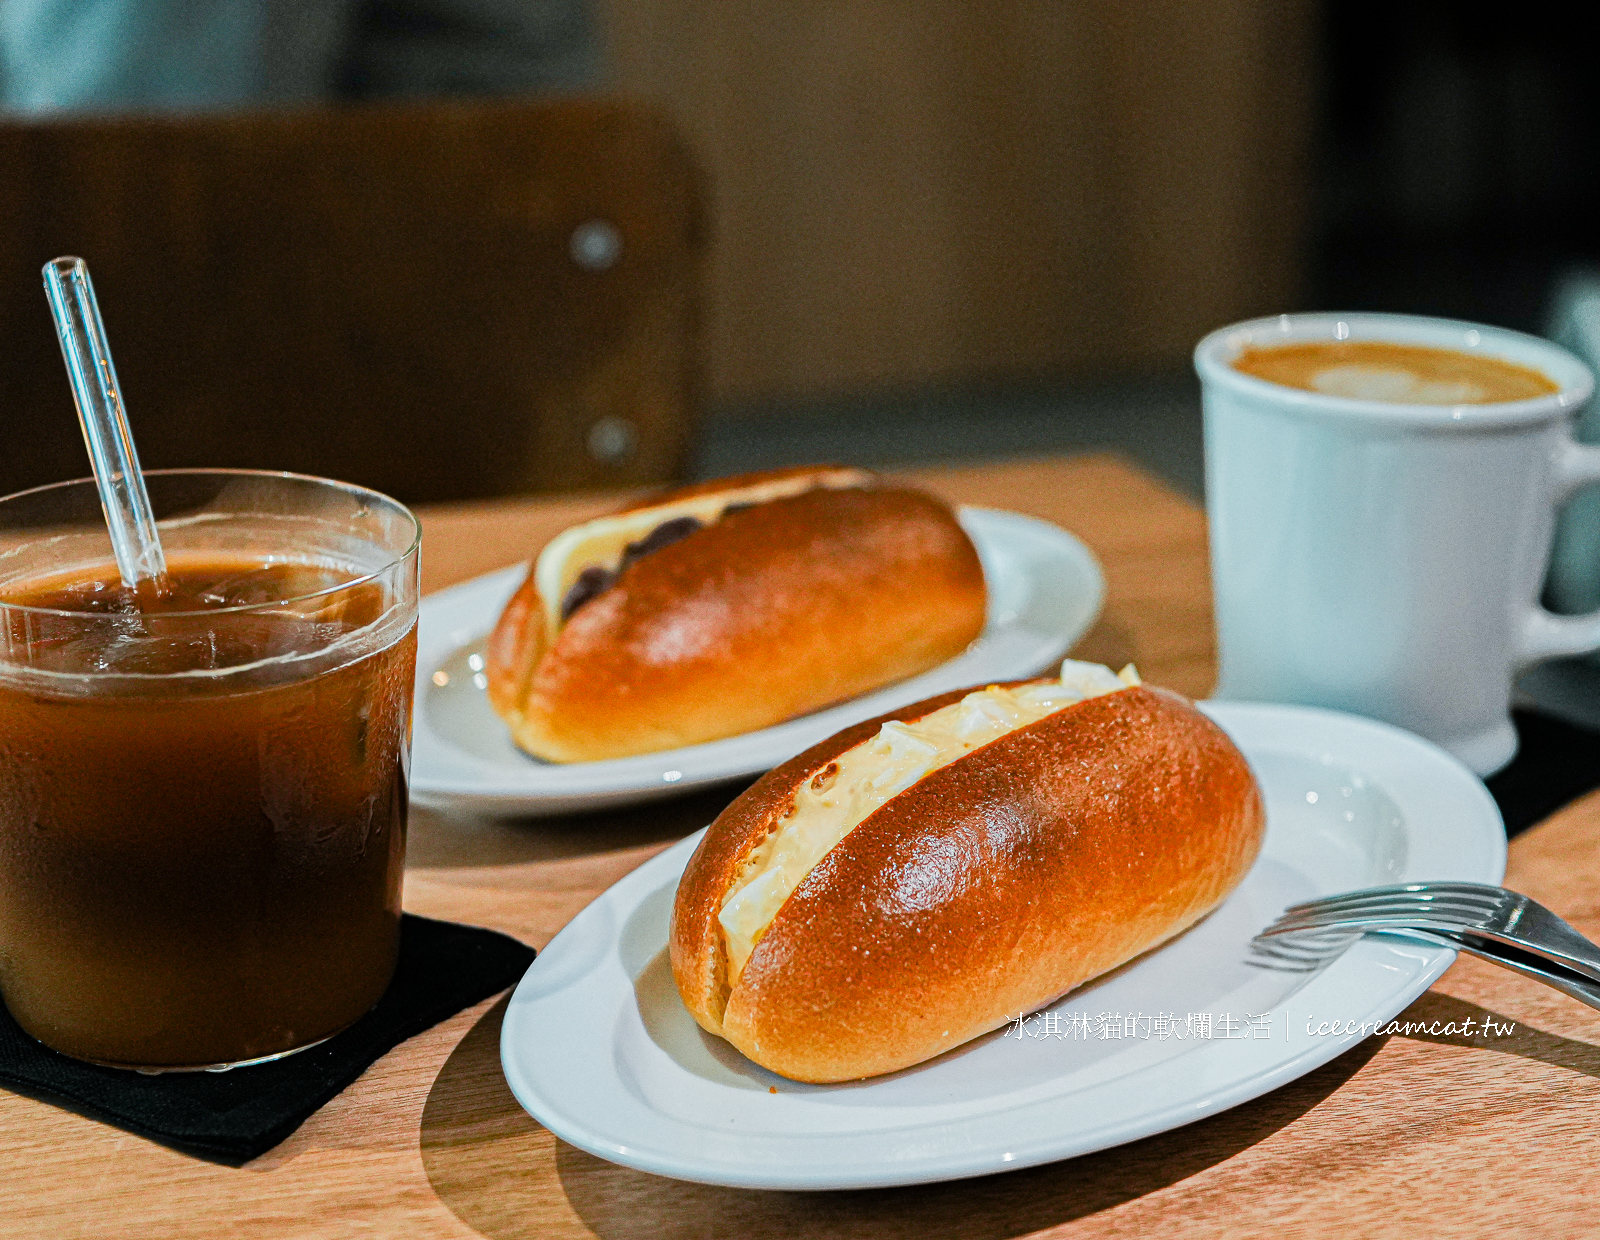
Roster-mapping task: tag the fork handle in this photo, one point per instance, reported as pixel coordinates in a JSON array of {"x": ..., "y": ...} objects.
[
  {"x": 1543, "y": 933},
  {"x": 1542, "y": 969}
]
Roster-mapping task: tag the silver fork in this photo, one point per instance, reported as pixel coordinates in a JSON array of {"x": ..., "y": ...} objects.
[{"x": 1489, "y": 922}]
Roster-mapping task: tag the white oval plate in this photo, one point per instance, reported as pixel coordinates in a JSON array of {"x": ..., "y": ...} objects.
[
  {"x": 598, "y": 1047},
  {"x": 1045, "y": 590}
]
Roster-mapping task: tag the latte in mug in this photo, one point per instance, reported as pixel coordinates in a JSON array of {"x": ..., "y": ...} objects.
[
  {"x": 1381, "y": 491},
  {"x": 1405, "y": 374}
]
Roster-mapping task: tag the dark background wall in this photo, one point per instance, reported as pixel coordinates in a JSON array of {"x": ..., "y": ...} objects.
[{"x": 1458, "y": 158}]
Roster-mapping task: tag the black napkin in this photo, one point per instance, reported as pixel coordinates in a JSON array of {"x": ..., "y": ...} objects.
[
  {"x": 232, "y": 1117},
  {"x": 1557, "y": 762}
]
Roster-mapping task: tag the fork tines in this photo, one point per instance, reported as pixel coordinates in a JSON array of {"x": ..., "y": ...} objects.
[
  {"x": 1301, "y": 953},
  {"x": 1410, "y": 896}
]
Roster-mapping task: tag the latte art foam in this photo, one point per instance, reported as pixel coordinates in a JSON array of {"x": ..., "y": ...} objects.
[{"x": 1395, "y": 373}]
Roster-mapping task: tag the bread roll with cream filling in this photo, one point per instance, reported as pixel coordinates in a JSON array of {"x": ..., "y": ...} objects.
[
  {"x": 725, "y": 607},
  {"x": 921, "y": 879}
]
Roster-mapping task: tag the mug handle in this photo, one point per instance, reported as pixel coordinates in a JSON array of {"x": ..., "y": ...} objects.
[{"x": 1546, "y": 635}]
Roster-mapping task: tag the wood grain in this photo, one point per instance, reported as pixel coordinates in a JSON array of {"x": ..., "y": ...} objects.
[
  {"x": 907, "y": 193},
  {"x": 1396, "y": 1137},
  {"x": 382, "y": 294}
]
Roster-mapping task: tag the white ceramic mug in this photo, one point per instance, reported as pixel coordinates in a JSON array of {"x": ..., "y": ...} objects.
[{"x": 1387, "y": 558}]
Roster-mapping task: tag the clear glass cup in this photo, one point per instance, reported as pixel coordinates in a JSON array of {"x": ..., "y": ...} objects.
[{"x": 203, "y": 803}]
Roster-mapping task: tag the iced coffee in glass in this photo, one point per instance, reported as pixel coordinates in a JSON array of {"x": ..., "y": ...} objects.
[{"x": 203, "y": 791}]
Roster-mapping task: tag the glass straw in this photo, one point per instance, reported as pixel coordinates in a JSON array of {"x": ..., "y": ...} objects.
[{"x": 129, "y": 517}]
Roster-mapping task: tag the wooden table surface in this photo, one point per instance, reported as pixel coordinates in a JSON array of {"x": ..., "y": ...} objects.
[{"x": 1398, "y": 1136}]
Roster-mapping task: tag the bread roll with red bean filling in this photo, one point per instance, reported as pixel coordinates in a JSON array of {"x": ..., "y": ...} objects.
[
  {"x": 726, "y": 607},
  {"x": 919, "y": 880}
]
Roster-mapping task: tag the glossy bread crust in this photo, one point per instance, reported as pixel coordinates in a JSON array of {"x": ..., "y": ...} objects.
[
  {"x": 772, "y": 612},
  {"x": 982, "y": 892},
  {"x": 699, "y": 962}
]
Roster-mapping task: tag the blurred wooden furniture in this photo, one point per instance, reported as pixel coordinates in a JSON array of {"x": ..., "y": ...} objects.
[
  {"x": 439, "y": 300},
  {"x": 958, "y": 191},
  {"x": 1400, "y": 1136}
]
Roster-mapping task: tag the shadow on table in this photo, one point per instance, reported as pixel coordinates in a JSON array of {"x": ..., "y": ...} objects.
[
  {"x": 1446, "y": 1016},
  {"x": 504, "y": 1175}
]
